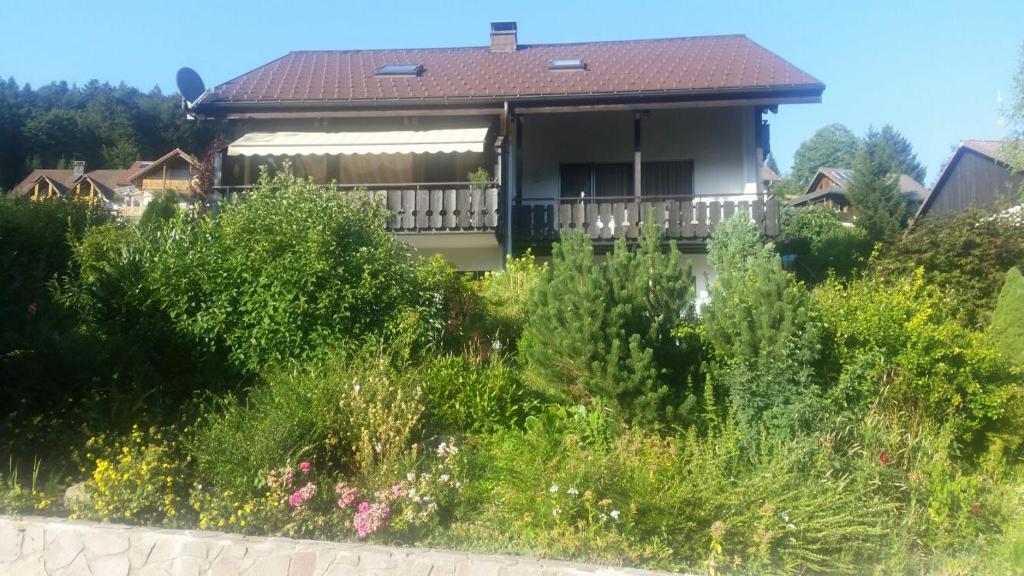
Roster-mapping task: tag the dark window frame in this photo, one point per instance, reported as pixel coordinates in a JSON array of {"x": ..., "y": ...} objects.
[{"x": 686, "y": 164}]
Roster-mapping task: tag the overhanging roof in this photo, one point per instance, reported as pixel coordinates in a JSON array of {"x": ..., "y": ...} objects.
[
  {"x": 675, "y": 68},
  {"x": 394, "y": 142}
]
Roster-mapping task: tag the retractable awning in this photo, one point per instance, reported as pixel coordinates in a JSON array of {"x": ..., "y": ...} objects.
[{"x": 395, "y": 142}]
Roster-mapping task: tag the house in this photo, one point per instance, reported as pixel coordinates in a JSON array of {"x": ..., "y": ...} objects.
[
  {"x": 175, "y": 171},
  {"x": 126, "y": 191},
  {"x": 829, "y": 186},
  {"x": 973, "y": 177},
  {"x": 594, "y": 136}
]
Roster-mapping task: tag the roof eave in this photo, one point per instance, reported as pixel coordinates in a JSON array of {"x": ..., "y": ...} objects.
[{"x": 769, "y": 94}]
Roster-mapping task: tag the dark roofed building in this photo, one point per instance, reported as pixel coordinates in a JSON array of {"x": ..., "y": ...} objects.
[
  {"x": 829, "y": 187},
  {"x": 974, "y": 176}
]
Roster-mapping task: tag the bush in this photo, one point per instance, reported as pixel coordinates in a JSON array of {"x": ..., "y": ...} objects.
[
  {"x": 160, "y": 210},
  {"x": 463, "y": 395},
  {"x": 821, "y": 243},
  {"x": 604, "y": 330},
  {"x": 759, "y": 324},
  {"x": 1007, "y": 328},
  {"x": 895, "y": 340},
  {"x": 965, "y": 256},
  {"x": 355, "y": 414}
]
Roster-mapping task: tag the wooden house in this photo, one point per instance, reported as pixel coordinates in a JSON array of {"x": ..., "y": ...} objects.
[{"x": 973, "y": 177}]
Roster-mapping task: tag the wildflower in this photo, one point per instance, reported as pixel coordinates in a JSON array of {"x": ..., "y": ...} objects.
[
  {"x": 302, "y": 495},
  {"x": 347, "y": 494},
  {"x": 305, "y": 467},
  {"x": 442, "y": 448},
  {"x": 614, "y": 514},
  {"x": 398, "y": 490},
  {"x": 884, "y": 458},
  {"x": 553, "y": 489},
  {"x": 976, "y": 509},
  {"x": 32, "y": 308},
  {"x": 370, "y": 518},
  {"x": 717, "y": 529},
  {"x": 288, "y": 477},
  {"x": 411, "y": 477},
  {"x": 445, "y": 478},
  {"x": 556, "y": 511},
  {"x": 572, "y": 492},
  {"x": 356, "y": 388}
]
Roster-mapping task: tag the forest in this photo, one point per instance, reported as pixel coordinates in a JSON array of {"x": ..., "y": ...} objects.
[{"x": 107, "y": 126}]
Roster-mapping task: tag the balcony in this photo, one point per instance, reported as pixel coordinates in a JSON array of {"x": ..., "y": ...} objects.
[
  {"x": 685, "y": 219},
  {"x": 465, "y": 207},
  {"x": 424, "y": 208}
]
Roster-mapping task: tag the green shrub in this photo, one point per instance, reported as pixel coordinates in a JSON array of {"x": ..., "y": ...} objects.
[
  {"x": 354, "y": 414},
  {"x": 160, "y": 210},
  {"x": 758, "y": 322},
  {"x": 1007, "y": 327},
  {"x": 506, "y": 296},
  {"x": 604, "y": 329},
  {"x": 464, "y": 395},
  {"x": 966, "y": 256},
  {"x": 894, "y": 336},
  {"x": 821, "y": 243}
]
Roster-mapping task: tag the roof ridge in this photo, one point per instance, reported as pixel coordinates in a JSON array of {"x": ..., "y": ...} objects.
[{"x": 529, "y": 45}]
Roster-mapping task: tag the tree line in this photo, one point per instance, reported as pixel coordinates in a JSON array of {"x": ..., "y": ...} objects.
[{"x": 107, "y": 126}]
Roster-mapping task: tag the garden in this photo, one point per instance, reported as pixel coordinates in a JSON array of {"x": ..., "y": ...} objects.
[{"x": 289, "y": 368}]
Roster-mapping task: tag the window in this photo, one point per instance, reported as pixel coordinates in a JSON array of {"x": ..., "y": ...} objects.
[
  {"x": 400, "y": 70},
  {"x": 566, "y": 64},
  {"x": 661, "y": 178}
]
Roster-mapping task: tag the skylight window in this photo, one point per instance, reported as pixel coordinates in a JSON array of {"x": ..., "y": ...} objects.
[
  {"x": 567, "y": 64},
  {"x": 400, "y": 70}
]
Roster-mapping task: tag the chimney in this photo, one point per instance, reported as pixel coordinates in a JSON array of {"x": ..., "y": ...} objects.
[
  {"x": 503, "y": 37},
  {"x": 78, "y": 168}
]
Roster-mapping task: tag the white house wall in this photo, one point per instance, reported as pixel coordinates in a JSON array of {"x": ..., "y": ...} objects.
[{"x": 719, "y": 141}]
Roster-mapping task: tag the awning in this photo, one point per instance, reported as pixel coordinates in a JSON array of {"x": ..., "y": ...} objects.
[{"x": 396, "y": 142}]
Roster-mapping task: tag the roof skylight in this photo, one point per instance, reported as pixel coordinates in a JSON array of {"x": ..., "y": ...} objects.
[
  {"x": 566, "y": 64},
  {"x": 400, "y": 70}
]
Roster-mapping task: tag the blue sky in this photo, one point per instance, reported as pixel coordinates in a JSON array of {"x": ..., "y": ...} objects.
[{"x": 931, "y": 68}]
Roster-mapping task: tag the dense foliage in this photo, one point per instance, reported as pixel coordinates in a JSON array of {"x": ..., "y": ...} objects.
[
  {"x": 966, "y": 256},
  {"x": 290, "y": 369},
  {"x": 1007, "y": 327},
  {"x": 106, "y": 126},
  {"x": 833, "y": 145},
  {"x": 605, "y": 329},
  {"x": 818, "y": 243}
]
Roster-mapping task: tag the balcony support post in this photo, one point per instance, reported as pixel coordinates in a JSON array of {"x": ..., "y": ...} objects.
[{"x": 637, "y": 139}]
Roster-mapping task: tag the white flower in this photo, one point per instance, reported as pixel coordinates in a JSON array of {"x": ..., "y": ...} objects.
[
  {"x": 614, "y": 514},
  {"x": 458, "y": 485},
  {"x": 356, "y": 388},
  {"x": 442, "y": 448},
  {"x": 572, "y": 491},
  {"x": 553, "y": 489},
  {"x": 445, "y": 478},
  {"x": 556, "y": 511},
  {"x": 410, "y": 477}
]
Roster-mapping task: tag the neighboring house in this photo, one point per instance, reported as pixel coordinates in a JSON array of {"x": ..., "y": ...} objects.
[
  {"x": 175, "y": 171},
  {"x": 829, "y": 187},
  {"x": 126, "y": 191},
  {"x": 596, "y": 136},
  {"x": 973, "y": 177}
]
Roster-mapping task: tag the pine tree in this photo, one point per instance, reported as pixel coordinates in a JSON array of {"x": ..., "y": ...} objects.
[
  {"x": 901, "y": 152},
  {"x": 1007, "y": 327},
  {"x": 604, "y": 330},
  {"x": 879, "y": 207}
]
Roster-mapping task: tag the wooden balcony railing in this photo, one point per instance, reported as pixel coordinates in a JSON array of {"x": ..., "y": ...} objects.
[
  {"x": 607, "y": 218},
  {"x": 425, "y": 207}
]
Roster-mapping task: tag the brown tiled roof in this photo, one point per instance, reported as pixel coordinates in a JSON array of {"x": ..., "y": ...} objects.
[
  {"x": 988, "y": 148},
  {"x": 62, "y": 180},
  {"x": 709, "y": 64}
]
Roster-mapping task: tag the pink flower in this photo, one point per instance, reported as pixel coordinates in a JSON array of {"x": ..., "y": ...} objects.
[
  {"x": 370, "y": 518},
  {"x": 398, "y": 490},
  {"x": 302, "y": 495},
  {"x": 348, "y": 495},
  {"x": 32, "y": 308},
  {"x": 884, "y": 458},
  {"x": 287, "y": 477},
  {"x": 305, "y": 467}
]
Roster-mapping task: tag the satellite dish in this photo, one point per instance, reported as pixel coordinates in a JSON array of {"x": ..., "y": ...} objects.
[{"x": 190, "y": 85}]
